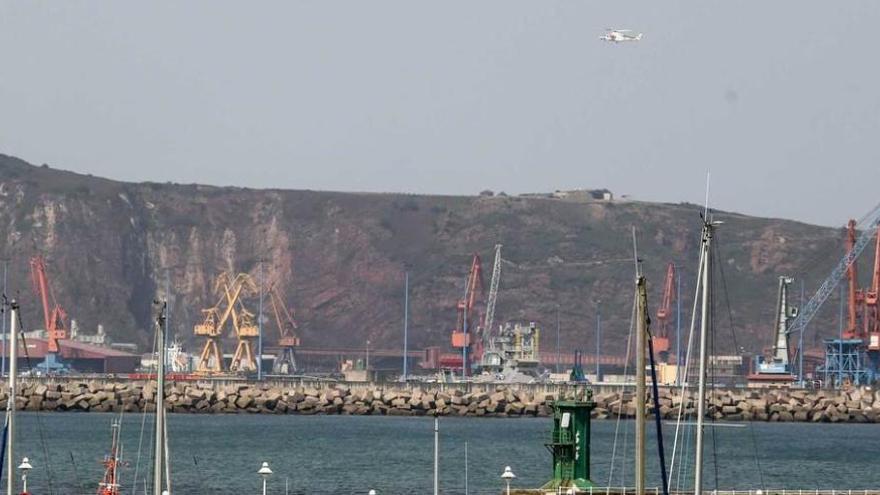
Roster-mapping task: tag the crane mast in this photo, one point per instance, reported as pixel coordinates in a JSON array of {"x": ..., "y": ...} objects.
[
  {"x": 288, "y": 341},
  {"x": 871, "y": 300},
  {"x": 855, "y": 296},
  {"x": 462, "y": 336},
  {"x": 784, "y": 313},
  {"x": 54, "y": 316},
  {"x": 244, "y": 326},
  {"x": 493, "y": 296},
  {"x": 660, "y": 341}
]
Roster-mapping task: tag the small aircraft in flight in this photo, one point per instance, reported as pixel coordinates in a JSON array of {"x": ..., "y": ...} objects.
[{"x": 618, "y": 35}]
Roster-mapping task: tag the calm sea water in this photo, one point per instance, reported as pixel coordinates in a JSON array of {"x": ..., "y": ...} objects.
[{"x": 349, "y": 454}]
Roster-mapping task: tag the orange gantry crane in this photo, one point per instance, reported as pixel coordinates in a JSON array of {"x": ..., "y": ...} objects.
[
  {"x": 468, "y": 324},
  {"x": 288, "y": 341},
  {"x": 54, "y": 316},
  {"x": 661, "y": 339}
]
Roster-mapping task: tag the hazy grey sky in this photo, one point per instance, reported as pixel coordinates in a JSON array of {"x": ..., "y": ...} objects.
[{"x": 779, "y": 99}]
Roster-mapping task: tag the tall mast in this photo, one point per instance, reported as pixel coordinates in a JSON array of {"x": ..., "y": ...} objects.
[
  {"x": 641, "y": 389},
  {"x": 705, "y": 243},
  {"x": 639, "y": 401},
  {"x": 10, "y": 404},
  {"x": 158, "y": 462},
  {"x": 436, "y": 455}
]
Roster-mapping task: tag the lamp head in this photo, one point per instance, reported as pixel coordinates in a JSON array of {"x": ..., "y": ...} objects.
[
  {"x": 508, "y": 473},
  {"x": 264, "y": 469}
]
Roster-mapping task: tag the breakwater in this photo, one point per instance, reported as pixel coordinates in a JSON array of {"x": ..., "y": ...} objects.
[{"x": 858, "y": 405}]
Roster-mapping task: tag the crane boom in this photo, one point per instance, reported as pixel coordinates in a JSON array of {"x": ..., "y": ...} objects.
[
  {"x": 868, "y": 224},
  {"x": 493, "y": 291},
  {"x": 283, "y": 316},
  {"x": 660, "y": 341},
  {"x": 285, "y": 361},
  {"x": 54, "y": 316},
  {"x": 665, "y": 308},
  {"x": 467, "y": 334},
  {"x": 243, "y": 323},
  {"x": 473, "y": 286}
]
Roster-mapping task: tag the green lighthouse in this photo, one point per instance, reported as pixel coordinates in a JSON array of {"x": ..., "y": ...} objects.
[{"x": 570, "y": 443}]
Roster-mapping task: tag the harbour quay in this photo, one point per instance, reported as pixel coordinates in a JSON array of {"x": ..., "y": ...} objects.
[{"x": 856, "y": 405}]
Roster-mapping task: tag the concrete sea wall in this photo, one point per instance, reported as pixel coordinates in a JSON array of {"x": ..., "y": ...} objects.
[{"x": 861, "y": 405}]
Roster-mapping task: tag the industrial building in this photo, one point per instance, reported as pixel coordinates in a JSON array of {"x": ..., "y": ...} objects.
[{"x": 78, "y": 356}]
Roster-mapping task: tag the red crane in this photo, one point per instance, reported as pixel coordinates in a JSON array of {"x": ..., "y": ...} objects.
[
  {"x": 872, "y": 311},
  {"x": 661, "y": 336},
  {"x": 54, "y": 316},
  {"x": 468, "y": 319},
  {"x": 855, "y": 296}
]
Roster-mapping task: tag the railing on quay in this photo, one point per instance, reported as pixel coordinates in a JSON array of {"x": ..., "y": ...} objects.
[{"x": 659, "y": 491}]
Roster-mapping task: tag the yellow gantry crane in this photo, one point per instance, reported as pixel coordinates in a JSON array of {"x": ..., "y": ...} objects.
[
  {"x": 230, "y": 290},
  {"x": 288, "y": 341},
  {"x": 243, "y": 323}
]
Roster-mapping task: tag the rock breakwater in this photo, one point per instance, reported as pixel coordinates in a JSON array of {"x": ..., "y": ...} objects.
[{"x": 860, "y": 405}]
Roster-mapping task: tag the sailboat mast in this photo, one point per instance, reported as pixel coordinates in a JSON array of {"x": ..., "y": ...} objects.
[
  {"x": 10, "y": 404},
  {"x": 641, "y": 389},
  {"x": 160, "y": 404},
  {"x": 704, "y": 331}
]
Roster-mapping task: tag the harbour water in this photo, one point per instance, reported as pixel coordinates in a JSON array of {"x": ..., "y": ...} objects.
[{"x": 220, "y": 454}]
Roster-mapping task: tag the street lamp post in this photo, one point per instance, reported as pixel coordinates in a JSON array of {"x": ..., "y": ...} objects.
[
  {"x": 507, "y": 476},
  {"x": 265, "y": 472},
  {"x": 24, "y": 468},
  {"x": 260, "y": 326},
  {"x": 405, "y": 323}
]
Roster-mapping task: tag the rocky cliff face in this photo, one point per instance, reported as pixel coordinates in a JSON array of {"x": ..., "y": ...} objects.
[{"x": 112, "y": 247}]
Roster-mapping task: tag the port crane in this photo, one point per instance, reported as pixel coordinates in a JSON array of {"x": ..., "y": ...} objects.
[
  {"x": 855, "y": 296},
  {"x": 288, "y": 341},
  {"x": 842, "y": 356},
  {"x": 661, "y": 339},
  {"x": 863, "y": 320},
  {"x": 243, "y": 323},
  {"x": 872, "y": 311},
  {"x": 463, "y": 336},
  {"x": 494, "y": 285},
  {"x": 867, "y": 225},
  {"x": 54, "y": 316},
  {"x": 490, "y": 355},
  {"x": 775, "y": 365},
  {"x": 215, "y": 318}
]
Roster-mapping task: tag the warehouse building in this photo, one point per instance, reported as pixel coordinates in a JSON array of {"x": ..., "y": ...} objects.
[{"x": 78, "y": 356}]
